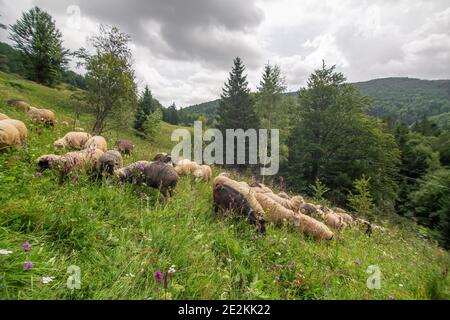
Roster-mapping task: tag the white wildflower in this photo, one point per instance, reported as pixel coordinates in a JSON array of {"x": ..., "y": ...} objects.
[
  {"x": 3, "y": 251},
  {"x": 46, "y": 280}
]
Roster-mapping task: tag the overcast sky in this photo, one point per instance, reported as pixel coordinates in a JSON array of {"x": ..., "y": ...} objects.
[{"x": 183, "y": 49}]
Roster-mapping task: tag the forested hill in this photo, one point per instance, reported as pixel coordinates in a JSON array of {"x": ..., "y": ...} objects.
[{"x": 405, "y": 99}]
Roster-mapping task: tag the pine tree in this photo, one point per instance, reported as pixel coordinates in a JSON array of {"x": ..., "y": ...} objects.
[
  {"x": 36, "y": 36},
  {"x": 236, "y": 109},
  {"x": 144, "y": 109},
  {"x": 170, "y": 115}
]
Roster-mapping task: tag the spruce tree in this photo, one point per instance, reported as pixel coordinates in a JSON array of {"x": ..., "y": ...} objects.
[
  {"x": 144, "y": 109},
  {"x": 40, "y": 42}
]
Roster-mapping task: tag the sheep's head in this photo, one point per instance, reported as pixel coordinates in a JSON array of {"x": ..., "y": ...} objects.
[
  {"x": 45, "y": 162},
  {"x": 59, "y": 144}
]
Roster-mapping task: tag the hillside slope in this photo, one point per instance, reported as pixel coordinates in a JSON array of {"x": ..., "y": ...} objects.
[
  {"x": 120, "y": 236},
  {"x": 405, "y": 99}
]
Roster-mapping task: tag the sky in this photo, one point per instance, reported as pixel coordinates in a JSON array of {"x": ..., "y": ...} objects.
[{"x": 184, "y": 49}]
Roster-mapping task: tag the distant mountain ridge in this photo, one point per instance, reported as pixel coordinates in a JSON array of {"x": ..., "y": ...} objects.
[{"x": 405, "y": 99}]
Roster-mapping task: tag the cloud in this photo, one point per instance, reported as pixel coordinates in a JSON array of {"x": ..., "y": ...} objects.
[{"x": 184, "y": 49}]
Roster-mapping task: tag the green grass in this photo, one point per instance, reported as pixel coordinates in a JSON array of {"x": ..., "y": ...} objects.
[{"x": 119, "y": 237}]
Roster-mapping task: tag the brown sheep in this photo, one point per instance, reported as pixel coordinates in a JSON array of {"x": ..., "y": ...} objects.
[
  {"x": 164, "y": 157},
  {"x": 162, "y": 176},
  {"x": 3, "y": 116},
  {"x": 124, "y": 146},
  {"x": 9, "y": 135},
  {"x": 42, "y": 116},
  {"x": 73, "y": 140},
  {"x": 19, "y": 104},
  {"x": 229, "y": 197},
  {"x": 133, "y": 173},
  {"x": 109, "y": 162},
  {"x": 96, "y": 142},
  {"x": 203, "y": 172},
  {"x": 20, "y": 126}
]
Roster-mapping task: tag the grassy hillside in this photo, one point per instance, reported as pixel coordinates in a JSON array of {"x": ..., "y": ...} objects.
[
  {"x": 120, "y": 235},
  {"x": 404, "y": 99}
]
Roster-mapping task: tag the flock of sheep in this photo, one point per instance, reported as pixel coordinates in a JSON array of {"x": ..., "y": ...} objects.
[{"x": 257, "y": 202}]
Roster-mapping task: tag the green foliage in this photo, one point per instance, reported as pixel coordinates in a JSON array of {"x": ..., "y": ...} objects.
[
  {"x": 318, "y": 191},
  {"x": 431, "y": 203},
  {"x": 170, "y": 115},
  {"x": 333, "y": 140},
  {"x": 144, "y": 109},
  {"x": 111, "y": 90},
  {"x": 40, "y": 43},
  {"x": 152, "y": 125},
  {"x": 361, "y": 201}
]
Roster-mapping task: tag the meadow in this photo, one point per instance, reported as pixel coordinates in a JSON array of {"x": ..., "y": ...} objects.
[{"x": 121, "y": 236}]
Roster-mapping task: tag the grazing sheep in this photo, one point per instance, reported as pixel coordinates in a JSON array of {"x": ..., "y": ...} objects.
[
  {"x": 124, "y": 146},
  {"x": 203, "y": 172},
  {"x": 260, "y": 188},
  {"x": 229, "y": 196},
  {"x": 284, "y": 195},
  {"x": 20, "y": 126},
  {"x": 186, "y": 167},
  {"x": 3, "y": 116},
  {"x": 73, "y": 140},
  {"x": 163, "y": 157},
  {"x": 72, "y": 161},
  {"x": 19, "y": 104},
  {"x": 96, "y": 142},
  {"x": 162, "y": 176},
  {"x": 133, "y": 173},
  {"x": 311, "y": 210},
  {"x": 109, "y": 162},
  {"x": 276, "y": 213},
  {"x": 293, "y": 205},
  {"x": 9, "y": 135},
  {"x": 334, "y": 221},
  {"x": 42, "y": 115}
]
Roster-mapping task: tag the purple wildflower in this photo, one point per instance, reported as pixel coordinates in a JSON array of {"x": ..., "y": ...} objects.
[
  {"x": 26, "y": 246},
  {"x": 158, "y": 276},
  {"x": 28, "y": 266},
  {"x": 140, "y": 167},
  {"x": 391, "y": 298},
  {"x": 357, "y": 262}
]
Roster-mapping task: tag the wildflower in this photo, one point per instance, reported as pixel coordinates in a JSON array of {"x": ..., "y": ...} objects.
[
  {"x": 357, "y": 262},
  {"x": 37, "y": 174},
  {"x": 391, "y": 298},
  {"x": 142, "y": 195},
  {"x": 46, "y": 280},
  {"x": 400, "y": 285},
  {"x": 171, "y": 270},
  {"x": 28, "y": 266},
  {"x": 158, "y": 276},
  {"x": 130, "y": 275},
  {"x": 3, "y": 251},
  {"x": 26, "y": 246}
]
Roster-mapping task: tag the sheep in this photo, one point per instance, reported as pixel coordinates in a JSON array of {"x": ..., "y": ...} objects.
[
  {"x": 164, "y": 157},
  {"x": 42, "y": 115},
  {"x": 203, "y": 172},
  {"x": 72, "y": 161},
  {"x": 124, "y": 146},
  {"x": 20, "y": 126},
  {"x": 290, "y": 204},
  {"x": 186, "y": 167},
  {"x": 260, "y": 188},
  {"x": 73, "y": 140},
  {"x": 162, "y": 176},
  {"x": 19, "y": 104},
  {"x": 133, "y": 173},
  {"x": 109, "y": 162},
  {"x": 334, "y": 221},
  {"x": 3, "y": 116},
  {"x": 284, "y": 195},
  {"x": 228, "y": 197},
  {"x": 311, "y": 210},
  {"x": 96, "y": 142},
  {"x": 276, "y": 213},
  {"x": 9, "y": 135}
]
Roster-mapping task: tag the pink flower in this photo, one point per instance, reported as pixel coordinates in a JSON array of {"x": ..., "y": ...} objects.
[
  {"x": 158, "y": 276},
  {"x": 391, "y": 298},
  {"x": 26, "y": 246},
  {"x": 28, "y": 266}
]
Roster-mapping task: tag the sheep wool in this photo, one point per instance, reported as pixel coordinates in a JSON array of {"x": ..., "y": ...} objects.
[
  {"x": 73, "y": 140},
  {"x": 96, "y": 142},
  {"x": 20, "y": 126},
  {"x": 109, "y": 162},
  {"x": 334, "y": 221},
  {"x": 284, "y": 195},
  {"x": 3, "y": 116},
  {"x": 203, "y": 172},
  {"x": 9, "y": 135},
  {"x": 19, "y": 104},
  {"x": 186, "y": 167},
  {"x": 288, "y": 204},
  {"x": 245, "y": 191},
  {"x": 162, "y": 176},
  {"x": 133, "y": 172},
  {"x": 260, "y": 188},
  {"x": 42, "y": 115},
  {"x": 124, "y": 146}
]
